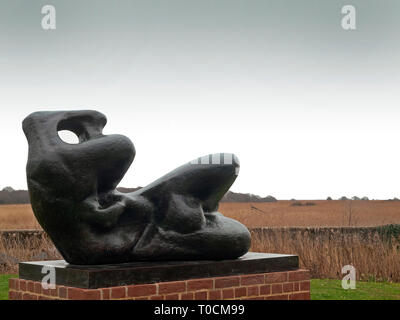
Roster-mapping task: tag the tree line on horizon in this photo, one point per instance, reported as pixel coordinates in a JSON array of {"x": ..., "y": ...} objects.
[{"x": 10, "y": 196}]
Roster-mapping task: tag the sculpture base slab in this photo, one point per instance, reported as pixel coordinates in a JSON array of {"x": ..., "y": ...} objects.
[{"x": 253, "y": 276}]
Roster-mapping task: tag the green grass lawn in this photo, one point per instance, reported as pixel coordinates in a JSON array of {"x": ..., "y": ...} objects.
[
  {"x": 321, "y": 289},
  {"x": 4, "y": 285},
  {"x": 328, "y": 289}
]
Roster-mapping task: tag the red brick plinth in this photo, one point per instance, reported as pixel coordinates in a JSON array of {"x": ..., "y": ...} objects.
[{"x": 290, "y": 285}]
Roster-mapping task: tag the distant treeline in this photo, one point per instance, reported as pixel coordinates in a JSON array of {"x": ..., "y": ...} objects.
[
  {"x": 229, "y": 196},
  {"x": 246, "y": 197},
  {"x": 10, "y": 196}
]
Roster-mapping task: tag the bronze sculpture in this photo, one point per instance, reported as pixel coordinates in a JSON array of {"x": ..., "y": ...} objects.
[{"x": 73, "y": 195}]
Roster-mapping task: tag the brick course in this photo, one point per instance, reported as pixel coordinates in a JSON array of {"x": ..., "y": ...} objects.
[{"x": 291, "y": 285}]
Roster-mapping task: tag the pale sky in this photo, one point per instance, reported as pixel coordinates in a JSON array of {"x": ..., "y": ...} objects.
[{"x": 310, "y": 109}]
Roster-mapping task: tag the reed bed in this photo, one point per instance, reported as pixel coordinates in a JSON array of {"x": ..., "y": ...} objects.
[
  {"x": 373, "y": 257},
  {"x": 14, "y": 250}
]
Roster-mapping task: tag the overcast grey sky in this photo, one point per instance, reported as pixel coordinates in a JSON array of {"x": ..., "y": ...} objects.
[{"x": 310, "y": 109}]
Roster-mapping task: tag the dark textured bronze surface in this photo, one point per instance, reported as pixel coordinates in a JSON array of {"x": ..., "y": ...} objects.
[
  {"x": 73, "y": 194},
  {"x": 150, "y": 272}
]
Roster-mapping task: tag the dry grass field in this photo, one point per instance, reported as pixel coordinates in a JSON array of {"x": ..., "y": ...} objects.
[
  {"x": 373, "y": 257},
  {"x": 282, "y": 213},
  {"x": 17, "y": 216},
  {"x": 317, "y": 213},
  {"x": 324, "y": 255}
]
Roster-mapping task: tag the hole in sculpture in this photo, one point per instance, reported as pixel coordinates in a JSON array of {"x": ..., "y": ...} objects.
[{"x": 68, "y": 137}]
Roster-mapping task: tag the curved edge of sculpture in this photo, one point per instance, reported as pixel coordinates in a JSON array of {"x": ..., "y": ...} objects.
[{"x": 74, "y": 198}]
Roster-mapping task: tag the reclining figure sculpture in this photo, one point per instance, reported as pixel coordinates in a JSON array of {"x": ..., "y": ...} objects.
[{"x": 73, "y": 194}]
